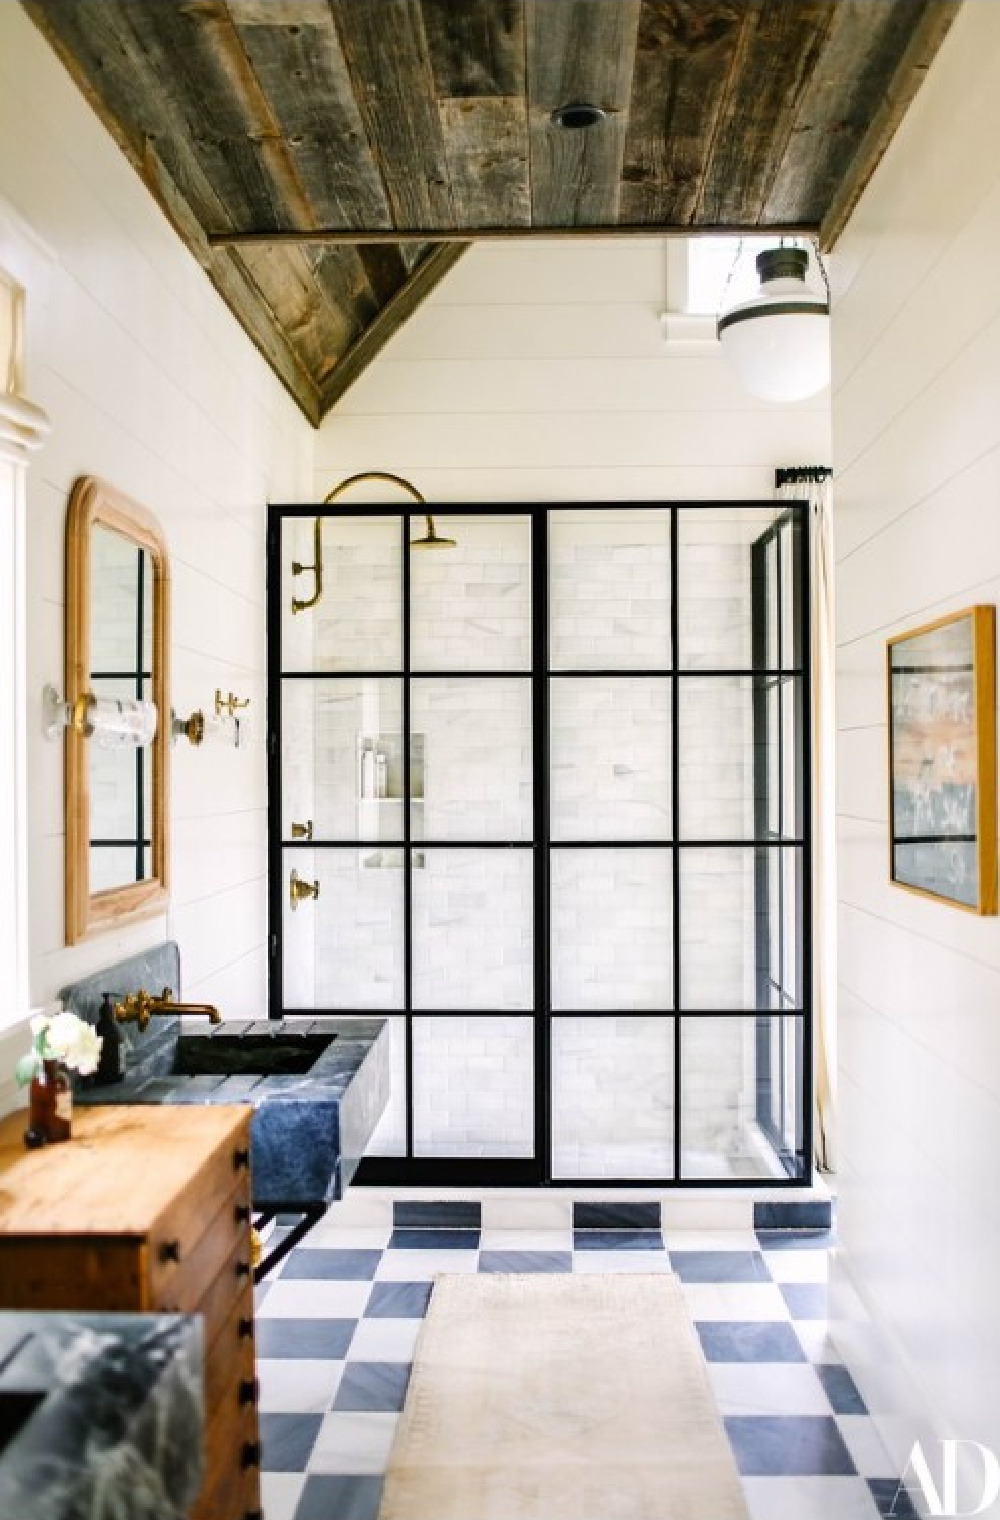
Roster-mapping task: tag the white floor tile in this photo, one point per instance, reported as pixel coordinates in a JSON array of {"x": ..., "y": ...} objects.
[
  {"x": 363, "y": 1207},
  {"x": 423, "y": 1266},
  {"x": 329, "y": 1236},
  {"x": 527, "y": 1213},
  {"x": 816, "y": 1341},
  {"x": 384, "y": 1340},
  {"x": 806, "y": 1266},
  {"x": 280, "y": 1494},
  {"x": 863, "y": 1441},
  {"x": 716, "y": 1213},
  {"x": 711, "y": 1240},
  {"x": 526, "y": 1240},
  {"x": 721, "y": 1301},
  {"x": 809, "y": 1499},
  {"x": 621, "y": 1261},
  {"x": 297, "y": 1387},
  {"x": 353, "y": 1443},
  {"x": 772, "y": 1388},
  {"x": 306, "y": 1298}
]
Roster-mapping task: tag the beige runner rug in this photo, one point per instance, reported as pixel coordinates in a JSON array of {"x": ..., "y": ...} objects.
[{"x": 560, "y": 1397}]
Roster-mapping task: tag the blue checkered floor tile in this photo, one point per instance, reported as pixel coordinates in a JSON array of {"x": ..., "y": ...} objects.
[{"x": 337, "y": 1326}]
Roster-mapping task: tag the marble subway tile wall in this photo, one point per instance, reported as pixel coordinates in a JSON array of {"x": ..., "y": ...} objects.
[
  {"x": 472, "y": 929},
  {"x": 471, "y": 604},
  {"x": 473, "y": 1087},
  {"x": 612, "y": 1107}
]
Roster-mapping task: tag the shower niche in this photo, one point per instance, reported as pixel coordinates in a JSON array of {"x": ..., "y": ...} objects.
[{"x": 554, "y": 777}]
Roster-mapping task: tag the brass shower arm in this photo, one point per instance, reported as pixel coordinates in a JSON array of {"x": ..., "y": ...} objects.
[{"x": 301, "y": 604}]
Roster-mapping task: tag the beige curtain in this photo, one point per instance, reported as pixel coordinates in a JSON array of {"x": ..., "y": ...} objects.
[{"x": 812, "y": 484}]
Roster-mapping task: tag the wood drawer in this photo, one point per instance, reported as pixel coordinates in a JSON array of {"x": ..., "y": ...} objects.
[
  {"x": 230, "y": 1372},
  {"x": 73, "y": 1272},
  {"x": 232, "y": 1465},
  {"x": 181, "y": 1271},
  {"x": 233, "y": 1285}
]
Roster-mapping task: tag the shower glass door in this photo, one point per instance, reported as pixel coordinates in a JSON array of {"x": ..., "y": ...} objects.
[{"x": 537, "y": 786}]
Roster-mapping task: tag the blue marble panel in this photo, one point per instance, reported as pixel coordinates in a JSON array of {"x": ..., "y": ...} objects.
[
  {"x": 459, "y": 1213},
  {"x": 749, "y": 1341},
  {"x": 377, "y": 1387},
  {"x": 841, "y": 1389},
  {"x": 795, "y": 1240},
  {"x": 788, "y": 1445},
  {"x": 434, "y": 1240},
  {"x": 321, "y": 1265},
  {"x": 311, "y": 1340},
  {"x": 805, "y": 1300},
  {"x": 326, "y": 1495},
  {"x": 719, "y": 1266},
  {"x": 287, "y": 1440},
  {"x": 616, "y": 1216},
  {"x": 793, "y": 1214},
  {"x": 398, "y": 1300},
  {"x": 891, "y": 1500},
  {"x": 618, "y": 1240},
  {"x": 526, "y": 1261}
]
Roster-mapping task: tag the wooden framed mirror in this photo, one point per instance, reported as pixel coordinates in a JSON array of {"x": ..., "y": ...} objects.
[{"x": 117, "y": 640}]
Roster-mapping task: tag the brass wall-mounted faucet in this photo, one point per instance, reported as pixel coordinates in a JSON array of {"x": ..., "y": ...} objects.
[{"x": 139, "y": 1007}]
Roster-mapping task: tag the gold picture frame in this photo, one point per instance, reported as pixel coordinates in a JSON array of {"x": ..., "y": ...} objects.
[{"x": 941, "y": 680}]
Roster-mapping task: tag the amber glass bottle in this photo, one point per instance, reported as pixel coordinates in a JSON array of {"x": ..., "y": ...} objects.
[{"x": 50, "y": 1105}]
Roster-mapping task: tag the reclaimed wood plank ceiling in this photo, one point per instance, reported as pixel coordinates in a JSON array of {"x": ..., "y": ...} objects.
[{"x": 327, "y": 161}]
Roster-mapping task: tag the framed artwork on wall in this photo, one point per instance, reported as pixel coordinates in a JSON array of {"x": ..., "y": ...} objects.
[{"x": 942, "y": 759}]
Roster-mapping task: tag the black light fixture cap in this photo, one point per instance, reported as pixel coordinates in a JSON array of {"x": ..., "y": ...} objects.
[{"x": 782, "y": 264}]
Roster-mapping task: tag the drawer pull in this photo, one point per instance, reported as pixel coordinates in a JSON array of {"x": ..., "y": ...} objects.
[
  {"x": 253, "y": 1514},
  {"x": 248, "y": 1391},
  {"x": 242, "y": 1269},
  {"x": 242, "y": 1213},
  {"x": 241, "y": 1159},
  {"x": 244, "y": 1329},
  {"x": 250, "y": 1455},
  {"x": 170, "y": 1250}
]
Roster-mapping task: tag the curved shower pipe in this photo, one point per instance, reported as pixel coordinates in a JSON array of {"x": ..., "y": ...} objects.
[{"x": 429, "y": 541}]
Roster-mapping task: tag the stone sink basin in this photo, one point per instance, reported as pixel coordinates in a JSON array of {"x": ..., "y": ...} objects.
[{"x": 317, "y": 1087}]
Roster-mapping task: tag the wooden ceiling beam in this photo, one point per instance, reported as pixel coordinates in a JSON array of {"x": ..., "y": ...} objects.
[
  {"x": 465, "y": 235},
  {"x": 927, "y": 35},
  {"x": 397, "y": 310}
]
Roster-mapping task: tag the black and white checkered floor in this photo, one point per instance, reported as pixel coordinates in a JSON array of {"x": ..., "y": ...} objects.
[{"x": 338, "y": 1322}]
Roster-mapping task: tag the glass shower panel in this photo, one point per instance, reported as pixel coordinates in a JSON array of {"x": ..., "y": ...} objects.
[
  {"x": 474, "y": 740},
  {"x": 609, "y": 589},
  {"x": 342, "y": 758},
  {"x": 721, "y": 1135},
  {"x": 344, "y": 947},
  {"x": 719, "y": 928},
  {"x": 612, "y": 1097},
  {"x": 470, "y": 603},
  {"x": 473, "y": 1087},
  {"x": 716, "y": 757},
  {"x": 610, "y": 758},
  {"x": 714, "y": 607},
  {"x": 791, "y": 640},
  {"x": 472, "y": 929},
  {"x": 791, "y": 758},
  {"x": 357, "y": 623},
  {"x": 611, "y": 928}
]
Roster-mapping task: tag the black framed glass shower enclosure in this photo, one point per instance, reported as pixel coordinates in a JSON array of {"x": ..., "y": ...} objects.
[{"x": 539, "y": 796}]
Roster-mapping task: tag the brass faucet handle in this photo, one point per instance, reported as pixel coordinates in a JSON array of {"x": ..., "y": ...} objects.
[
  {"x": 299, "y": 890},
  {"x": 302, "y": 830}
]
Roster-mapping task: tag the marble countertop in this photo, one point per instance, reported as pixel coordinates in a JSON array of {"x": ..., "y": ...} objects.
[{"x": 101, "y": 1416}]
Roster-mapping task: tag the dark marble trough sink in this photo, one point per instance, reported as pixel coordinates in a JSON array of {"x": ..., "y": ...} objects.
[{"x": 260, "y": 1055}]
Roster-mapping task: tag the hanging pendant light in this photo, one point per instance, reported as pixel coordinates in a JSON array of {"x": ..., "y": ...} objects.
[{"x": 778, "y": 343}]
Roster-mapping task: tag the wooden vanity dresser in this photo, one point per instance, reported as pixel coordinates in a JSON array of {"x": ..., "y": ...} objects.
[{"x": 147, "y": 1209}]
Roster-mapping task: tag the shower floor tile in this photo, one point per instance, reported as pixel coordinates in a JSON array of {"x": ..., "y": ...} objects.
[{"x": 337, "y": 1331}]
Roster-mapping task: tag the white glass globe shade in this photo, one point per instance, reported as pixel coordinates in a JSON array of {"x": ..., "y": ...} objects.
[{"x": 778, "y": 344}]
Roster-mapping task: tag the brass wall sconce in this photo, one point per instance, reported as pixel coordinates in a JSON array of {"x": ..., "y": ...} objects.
[
  {"x": 300, "y": 890},
  {"x": 114, "y": 722}
]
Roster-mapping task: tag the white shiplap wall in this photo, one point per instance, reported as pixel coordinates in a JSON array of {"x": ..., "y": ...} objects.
[
  {"x": 916, "y": 418},
  {"x": 538, "y": 372},
  {"x": 149, "y": 383}
]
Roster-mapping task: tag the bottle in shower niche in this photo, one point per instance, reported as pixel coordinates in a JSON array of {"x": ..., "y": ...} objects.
[
  {"x": 367, "y": 777},
  {"x": 381, "y": 773}
]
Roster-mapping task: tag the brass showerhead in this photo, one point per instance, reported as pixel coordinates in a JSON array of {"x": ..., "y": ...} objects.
[{"x": 432, "y": 539}]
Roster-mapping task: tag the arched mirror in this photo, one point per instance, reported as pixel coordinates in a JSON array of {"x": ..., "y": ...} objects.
[{"x": 117, "y": 610}]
